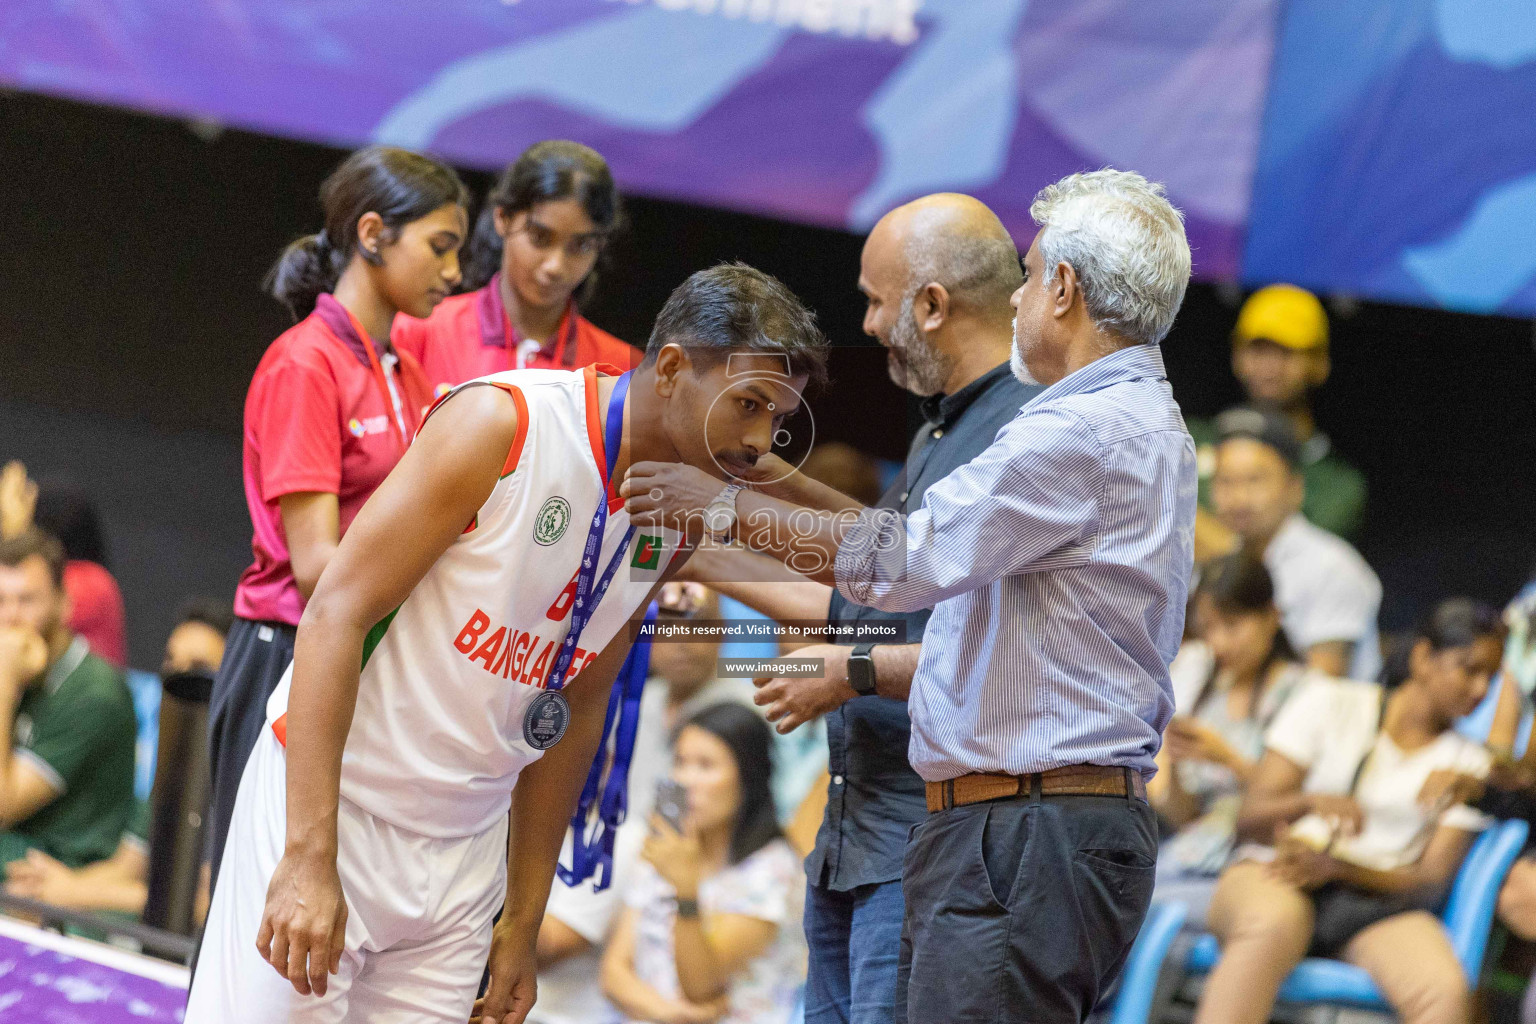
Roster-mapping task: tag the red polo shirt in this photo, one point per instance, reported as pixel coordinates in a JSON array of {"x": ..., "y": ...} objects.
[
  {"x": 470, "y": 335},
  {"x": 319, "y": 417}
]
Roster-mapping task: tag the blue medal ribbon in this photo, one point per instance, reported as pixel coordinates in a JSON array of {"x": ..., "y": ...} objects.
[{"x": 592, "y": 853}]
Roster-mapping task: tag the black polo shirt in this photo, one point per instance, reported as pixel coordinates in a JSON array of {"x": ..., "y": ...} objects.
[{"x": 875, "y": 796}]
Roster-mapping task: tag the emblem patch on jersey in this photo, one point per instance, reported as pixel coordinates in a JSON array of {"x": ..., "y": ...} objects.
[
  {"x": 554, "y": 517},
  {"x": 647, "y": 552}
]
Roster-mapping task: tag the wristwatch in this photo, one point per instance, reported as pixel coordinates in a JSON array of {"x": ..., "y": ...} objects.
[
  {"x": 861, "y": 670},
  {"x": 687, "y": 908},
  {"x": 720, "y": 514}
]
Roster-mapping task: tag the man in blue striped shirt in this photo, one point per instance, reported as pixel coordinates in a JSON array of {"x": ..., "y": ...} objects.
[{"x": 1057, "y": 564}]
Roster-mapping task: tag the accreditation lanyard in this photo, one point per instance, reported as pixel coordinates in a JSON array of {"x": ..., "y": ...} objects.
[
  {"x": 565, "y": 348},
  {"x": 592, "y": 845},
  {"x": 393, "y": 401},
  {"x": 588, "y": 595}
]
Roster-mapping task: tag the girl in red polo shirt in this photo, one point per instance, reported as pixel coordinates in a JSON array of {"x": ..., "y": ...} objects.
[
  {"x": 330, "y": 411},
  {"x": 530, "y": 265}
]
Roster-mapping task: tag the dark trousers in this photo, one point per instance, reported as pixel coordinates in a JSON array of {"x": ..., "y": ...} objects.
[
  {"x": 855, "y": 942},
  {"x": 256, "y": 655},
  {"x": 1022, "y": 910}
]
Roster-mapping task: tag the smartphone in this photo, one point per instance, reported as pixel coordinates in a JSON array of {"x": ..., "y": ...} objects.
[{"x": 671, "y": 803}]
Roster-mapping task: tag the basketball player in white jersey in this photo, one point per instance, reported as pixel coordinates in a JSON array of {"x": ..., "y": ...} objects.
[{"x": 369, "y": 854}]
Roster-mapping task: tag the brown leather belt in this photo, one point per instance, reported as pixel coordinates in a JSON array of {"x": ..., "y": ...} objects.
[{"x": 1073, "y": 780}]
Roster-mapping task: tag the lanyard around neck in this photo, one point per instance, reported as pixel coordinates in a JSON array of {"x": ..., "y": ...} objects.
[
  {"x": 590, "y": 588},
  {"x": 382, "y": 385}
]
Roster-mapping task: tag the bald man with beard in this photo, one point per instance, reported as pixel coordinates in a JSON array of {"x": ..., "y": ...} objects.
[{"x": 937, "y": 274}]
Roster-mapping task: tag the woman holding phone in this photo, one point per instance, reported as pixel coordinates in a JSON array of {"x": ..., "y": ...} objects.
[
  {"x": 1365, "y": 850},
  {"x": 531, "y": 264},
  {"x": 711, "y": 927},
  {"x": 1228, "y": 685}
]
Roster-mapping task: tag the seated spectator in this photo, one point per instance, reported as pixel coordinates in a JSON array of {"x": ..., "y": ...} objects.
[
  {"x": 683, "y": 681},
  {"x": 67, "y": 727},
  {"x": 121, "y": 882},
  {"x": 68, "y": 513},
  {"x": 1280, "y": 356},
  {"x": 1360, "y": 861},
  {"x": 711, "y": 926},
  {"x": 1228, "y": 685},
  {"x": 1328, "y": 597}
]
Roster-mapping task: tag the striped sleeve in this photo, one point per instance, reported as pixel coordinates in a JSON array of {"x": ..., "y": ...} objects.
[{"x": 1029, "y": 502}]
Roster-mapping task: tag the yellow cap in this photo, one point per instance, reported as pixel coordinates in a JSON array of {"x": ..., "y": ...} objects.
[{"x": 1285, "y": 315}]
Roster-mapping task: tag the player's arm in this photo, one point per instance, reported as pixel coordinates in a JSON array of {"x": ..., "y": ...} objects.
[
  {"x": 543, "y": 802},
  {"x": 417, "y": 512},
  {"x": 760, "y": 583}
]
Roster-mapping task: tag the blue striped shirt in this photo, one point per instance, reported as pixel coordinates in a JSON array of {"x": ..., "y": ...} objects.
[{"x": 1057, "y": 565}]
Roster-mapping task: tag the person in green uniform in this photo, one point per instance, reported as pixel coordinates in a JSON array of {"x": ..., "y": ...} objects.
[
  {"x": 67, "y": 725},
  {"x": 1280, "y": 356}
]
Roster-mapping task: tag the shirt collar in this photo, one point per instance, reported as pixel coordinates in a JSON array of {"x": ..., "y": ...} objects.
[
  {"x": 65, "y": 667},
  {"x": 494, "y": 323},
  {"x": 943, "y": 410},
  {"x": 334, "y": 315},
  {"x": 1133, "y": 362}
]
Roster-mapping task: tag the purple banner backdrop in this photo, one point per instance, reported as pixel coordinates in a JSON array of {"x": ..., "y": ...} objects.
[
  {"x": 827, "y": 111},
  {"x": 48, "y": 979}
]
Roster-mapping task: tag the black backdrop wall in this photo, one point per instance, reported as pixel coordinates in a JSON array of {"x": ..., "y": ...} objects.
[{"x": 132, "y": 249}]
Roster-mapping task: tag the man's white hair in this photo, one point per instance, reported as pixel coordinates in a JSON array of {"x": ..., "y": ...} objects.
[{"x": 1125, "y": 241}]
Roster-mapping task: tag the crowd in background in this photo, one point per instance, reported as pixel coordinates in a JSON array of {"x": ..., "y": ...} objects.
[{"x": 1319, "y": 784}]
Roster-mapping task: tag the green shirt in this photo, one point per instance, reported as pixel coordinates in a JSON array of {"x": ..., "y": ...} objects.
[
  {"x": 77, "y": 728},
  {"x": 1335, "y": 497}
]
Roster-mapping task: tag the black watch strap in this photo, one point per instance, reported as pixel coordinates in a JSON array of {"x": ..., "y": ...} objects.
[
  {"x": 687, "y": 908},
  {"x": 861, "y": 670}
]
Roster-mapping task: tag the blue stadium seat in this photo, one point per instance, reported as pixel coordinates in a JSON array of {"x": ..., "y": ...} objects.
[
  {"x": 1138, "y": 982},
  {"x": 1468, "y": 918}
]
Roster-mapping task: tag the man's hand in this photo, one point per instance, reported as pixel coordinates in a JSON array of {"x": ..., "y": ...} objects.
[
  {"x": 669, "y": 494},
  {"x": 304, "y": 925},
  {"x": 23, "y": 657},
  {"x": 792, "y": 702},
  {"x": 514, "y": 977},
  {"x": 18, "y": 500}
]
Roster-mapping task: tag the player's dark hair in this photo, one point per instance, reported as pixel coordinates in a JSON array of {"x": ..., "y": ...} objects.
[
  {"x": 215, "y": 614},
  {"x": 745, "y": 733},
  {"x": 732, "y": 307},
  {"x": 547, "y": 171},
  {"x": 67, "y": 511},
  {"x": 1454, "y": 622},
  {"x": 34, "y": 543},
  {"x": 397, "y": 184}
]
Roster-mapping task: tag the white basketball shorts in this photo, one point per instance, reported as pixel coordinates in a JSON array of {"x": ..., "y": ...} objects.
[{"x": 418, "y": 923}]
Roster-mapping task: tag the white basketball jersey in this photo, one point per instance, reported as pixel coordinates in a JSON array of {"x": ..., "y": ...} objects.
[{"x": 437, "y": 740}]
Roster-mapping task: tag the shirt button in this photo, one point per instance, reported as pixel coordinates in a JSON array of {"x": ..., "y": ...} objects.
[
  {"x": 938, "y": 432},
  {"x": 837, "y": 780},
  {"x": 904, "y": 495}
]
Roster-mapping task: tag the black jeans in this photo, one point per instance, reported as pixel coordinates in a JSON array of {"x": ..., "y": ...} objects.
[{"x": 1022, "y": 910}]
